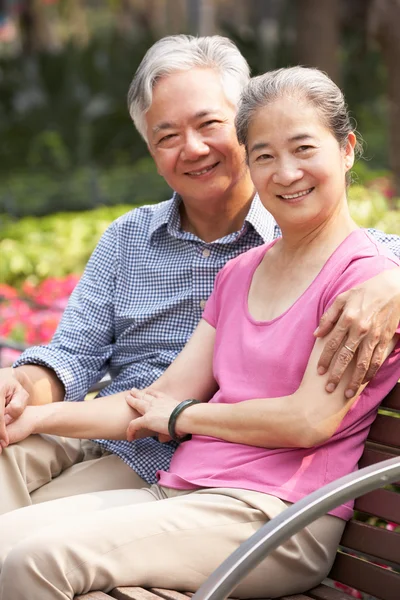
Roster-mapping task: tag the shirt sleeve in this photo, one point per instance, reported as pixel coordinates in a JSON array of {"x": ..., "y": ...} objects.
[
  {"x": 390, "y": 240},
  {"x": 83, "y": 342}
]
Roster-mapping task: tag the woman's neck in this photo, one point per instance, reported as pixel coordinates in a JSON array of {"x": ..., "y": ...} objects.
[{"x": 298, "y": 243}]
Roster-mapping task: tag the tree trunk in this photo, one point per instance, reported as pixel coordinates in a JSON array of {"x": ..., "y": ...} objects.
[
  {"x": 37, "y": 33},
  {"x": 318, "y": 35},
  {"x": 384, "y": 25}
]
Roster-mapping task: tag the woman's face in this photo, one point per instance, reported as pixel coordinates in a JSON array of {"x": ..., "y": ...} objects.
[{"x": 296, "y": 163}]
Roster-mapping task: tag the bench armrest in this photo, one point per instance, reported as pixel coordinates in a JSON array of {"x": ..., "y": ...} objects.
[{"x": 297, "y": 516}]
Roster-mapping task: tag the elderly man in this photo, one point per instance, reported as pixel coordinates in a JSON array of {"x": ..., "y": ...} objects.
[{"x": 147, "y": 281}]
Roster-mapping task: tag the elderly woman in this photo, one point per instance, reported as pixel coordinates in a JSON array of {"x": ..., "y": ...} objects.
[{"x": 264, "y": 431}]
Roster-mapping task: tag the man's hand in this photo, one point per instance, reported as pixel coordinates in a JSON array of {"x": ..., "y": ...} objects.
[
  {"x": 155, "y": 408},
  {"x": 362, "y": 320},
  {"x": 13, "y": 401},
  {"x": 21, "y": 428}
]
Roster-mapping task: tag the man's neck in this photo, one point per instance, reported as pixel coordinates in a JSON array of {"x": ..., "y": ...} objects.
[{"x": 213, "y": 221}]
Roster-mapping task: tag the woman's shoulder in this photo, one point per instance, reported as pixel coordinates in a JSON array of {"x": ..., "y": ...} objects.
[
  {"x": 357, "y": 259},
  {"x": 247, "y": 259}
]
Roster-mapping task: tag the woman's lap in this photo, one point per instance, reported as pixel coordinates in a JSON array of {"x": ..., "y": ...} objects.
[{"x": 99, "y": 541}]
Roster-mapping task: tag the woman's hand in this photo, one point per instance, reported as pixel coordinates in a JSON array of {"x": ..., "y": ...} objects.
[
  {"x": 363, "y": 320},
  {"x": 155, "y": 408}
]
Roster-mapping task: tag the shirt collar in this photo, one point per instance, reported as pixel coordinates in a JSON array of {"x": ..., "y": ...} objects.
[
  {"x": 167, "y": 213},
  {"x": 262, "y": 220}
]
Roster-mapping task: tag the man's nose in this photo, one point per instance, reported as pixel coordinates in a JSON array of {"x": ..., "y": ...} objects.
[{"x": 194, "y": 147}]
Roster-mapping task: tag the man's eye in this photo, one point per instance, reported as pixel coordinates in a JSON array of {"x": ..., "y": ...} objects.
[
  {"x": 210, "y": 122},
  {"x": 166, "y": 138}
]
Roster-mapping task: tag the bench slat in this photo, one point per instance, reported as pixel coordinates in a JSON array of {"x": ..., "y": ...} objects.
[
  {"x": 374, "y": 453},
  {"x": 385, "y": 430},
  {"x": 380, "y": 503},
  {"x": 324, "y": 592},
  {"x": 94, "y": 596},
  {"x": 366, "y": 577},
  {"x": 169, "y": 594},
  {"x": 375, "y": 541},
  {"x": 392, "y": 400},
  {"x": 133, "y": 593}
]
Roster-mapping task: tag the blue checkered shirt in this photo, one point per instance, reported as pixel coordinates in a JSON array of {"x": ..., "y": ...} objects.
[{"x": 136, "y": 305}]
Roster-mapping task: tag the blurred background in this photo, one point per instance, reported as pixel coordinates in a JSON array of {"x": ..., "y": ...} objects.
[{"x": 71, "y": 160}]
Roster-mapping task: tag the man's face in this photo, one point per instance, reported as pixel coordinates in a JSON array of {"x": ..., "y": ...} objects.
[{"x": 192, "y": 138}]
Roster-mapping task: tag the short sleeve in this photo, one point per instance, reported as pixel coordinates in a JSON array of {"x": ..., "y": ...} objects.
[
  {"x": 356, "y": 273},
  {"x": 210, "y": 312}
]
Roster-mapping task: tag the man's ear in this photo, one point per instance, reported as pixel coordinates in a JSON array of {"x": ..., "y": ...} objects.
[
  {"x": 349, "y": 150},
  {"x": 154, "y": 158}
]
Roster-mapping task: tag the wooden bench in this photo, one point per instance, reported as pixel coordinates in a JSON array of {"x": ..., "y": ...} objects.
[{"x": 368, "y": 558}]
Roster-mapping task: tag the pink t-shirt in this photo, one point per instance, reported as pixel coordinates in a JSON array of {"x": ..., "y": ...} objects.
[{"x": 267, "y": 359}]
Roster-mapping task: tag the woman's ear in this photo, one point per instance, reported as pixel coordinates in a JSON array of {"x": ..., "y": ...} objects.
[{"x": 349, "y": 150}]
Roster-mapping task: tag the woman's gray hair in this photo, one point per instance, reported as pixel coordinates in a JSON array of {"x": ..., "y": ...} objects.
[
  {"x": 309, "y": 84},
  {"x": 181, "y": 53}
]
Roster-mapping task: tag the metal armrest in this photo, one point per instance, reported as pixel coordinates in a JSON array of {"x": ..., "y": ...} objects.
[{"x": 297, "y": 516}]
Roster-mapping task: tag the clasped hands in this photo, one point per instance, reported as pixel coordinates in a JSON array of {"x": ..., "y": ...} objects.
[{"x": 155, "y": 408}]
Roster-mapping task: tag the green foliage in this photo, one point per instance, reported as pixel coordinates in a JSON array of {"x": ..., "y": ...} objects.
[
  {"x": 39, "y": 193},
  {"x": 67, "y": 109},
  {"x": 34, "y": 249},
  {"x": 369, "y": 208}
]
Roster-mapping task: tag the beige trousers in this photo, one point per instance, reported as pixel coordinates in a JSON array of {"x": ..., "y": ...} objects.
[
  {"x": 45, "y": 467},
  {"x": 153, "y": 537}
]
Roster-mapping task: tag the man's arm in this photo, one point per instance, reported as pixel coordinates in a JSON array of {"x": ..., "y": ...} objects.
[{"x": 106, "y": 417}]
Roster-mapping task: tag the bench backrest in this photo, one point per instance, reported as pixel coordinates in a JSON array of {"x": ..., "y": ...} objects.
[{"x": 369, "y": 557}]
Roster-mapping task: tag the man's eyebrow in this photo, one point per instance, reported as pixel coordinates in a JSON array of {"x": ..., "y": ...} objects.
[
  {"x": 171, "y": 125},
  {"x": 300, "y": 137}
]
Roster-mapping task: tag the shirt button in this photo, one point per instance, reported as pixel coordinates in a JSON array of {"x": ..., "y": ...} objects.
[
  {"x": 206, "y": 253},
  {"x": 202, "y": 304}
]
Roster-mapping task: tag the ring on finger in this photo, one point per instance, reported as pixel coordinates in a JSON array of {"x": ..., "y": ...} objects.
[{"x": 349, "y": 349}]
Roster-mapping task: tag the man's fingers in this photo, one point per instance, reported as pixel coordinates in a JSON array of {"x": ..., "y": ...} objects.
[
  {"x": 3, "y": 435},
  {"x": 376, "y": 361},
  {"x": 16, "y": 406},
  {"x": 331, "y": 316},
  {"x": 331, "y": 347},
  {"x": 338, "y": 367},
  {"x": 362, "y": 362}
]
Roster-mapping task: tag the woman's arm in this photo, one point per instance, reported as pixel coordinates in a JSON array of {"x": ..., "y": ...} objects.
[
  {"x": 106, "y": 417},
  {"x": 190, "y": 375},
  {"x": 306, "y": 418}
]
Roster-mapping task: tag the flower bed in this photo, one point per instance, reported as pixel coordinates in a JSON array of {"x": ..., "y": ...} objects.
[{"x": 30, "y": 316}]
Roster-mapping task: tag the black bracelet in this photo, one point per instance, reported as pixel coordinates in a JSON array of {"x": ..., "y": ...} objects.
[{"x": 173, "y": 417}]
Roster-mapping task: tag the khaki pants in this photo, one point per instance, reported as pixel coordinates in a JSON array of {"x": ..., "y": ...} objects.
[
  {"x": 45, "y": 467},
  {"x": 153, "y": 537}
]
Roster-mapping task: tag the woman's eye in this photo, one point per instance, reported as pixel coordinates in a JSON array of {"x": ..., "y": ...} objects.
[
  {"x": 304, "y": 148},
  {"x": 263, "y": 157}
]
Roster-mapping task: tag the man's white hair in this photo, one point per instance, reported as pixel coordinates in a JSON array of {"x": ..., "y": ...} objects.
[{"x": 180, "y": 53}]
